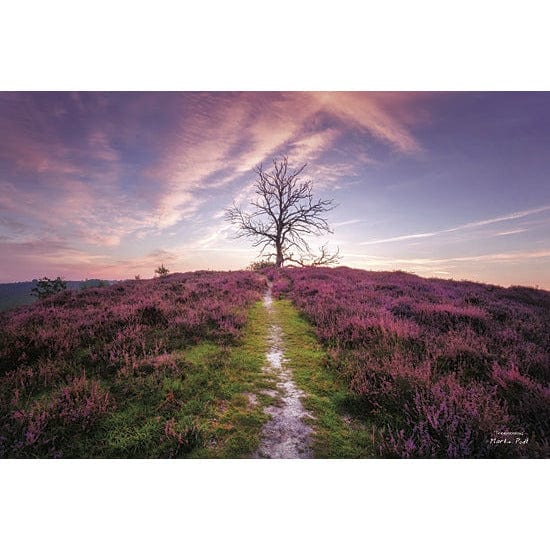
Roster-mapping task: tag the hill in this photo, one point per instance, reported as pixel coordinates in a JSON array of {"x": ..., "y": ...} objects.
[
  {"x": 442, "y": 368},
  {"x": 403, "y": 366},
  {"x": 132, "y": 369},
  {"x": 18, "y": 294}
]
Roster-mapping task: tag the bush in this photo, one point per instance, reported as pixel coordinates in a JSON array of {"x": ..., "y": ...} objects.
[
  {"x": 260, "y": 264},
  {"x": 161, "y": 271},
  {"x": 48, "y": 427},
  {"x": 48, "y": 287}
]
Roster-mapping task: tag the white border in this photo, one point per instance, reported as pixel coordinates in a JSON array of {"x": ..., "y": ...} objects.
[
  {"x": 243, "y": 504},
  {"x": 283, "y": 45},
  {"x": 422, "y": 45}
]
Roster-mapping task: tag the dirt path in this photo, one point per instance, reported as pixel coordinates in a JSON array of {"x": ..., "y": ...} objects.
[{"x": 285, "y": 435}]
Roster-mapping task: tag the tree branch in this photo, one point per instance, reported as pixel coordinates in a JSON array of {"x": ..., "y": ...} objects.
[{"x": 284, "y": 213}]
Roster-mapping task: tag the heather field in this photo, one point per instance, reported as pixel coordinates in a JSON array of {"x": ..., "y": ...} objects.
[
  {"x": 137, "y": 369},
  {"x": 435, "y": 368},
  {"x": 387, "y": 365}
]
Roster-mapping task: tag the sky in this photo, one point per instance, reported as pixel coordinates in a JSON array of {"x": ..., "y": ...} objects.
[{"x": 111, "y": 185}]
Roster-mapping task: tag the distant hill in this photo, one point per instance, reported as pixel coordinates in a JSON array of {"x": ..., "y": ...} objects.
[{"x": 19, "y": 294}]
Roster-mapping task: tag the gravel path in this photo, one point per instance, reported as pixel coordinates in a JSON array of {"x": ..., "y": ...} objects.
[{"x": 285, "y": 435}]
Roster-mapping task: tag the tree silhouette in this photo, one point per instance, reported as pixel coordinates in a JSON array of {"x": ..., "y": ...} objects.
[
  {"x": 284, "y": 215},
  {"x": 161, "y": 270},
  {"x": 48, "y": 287}
]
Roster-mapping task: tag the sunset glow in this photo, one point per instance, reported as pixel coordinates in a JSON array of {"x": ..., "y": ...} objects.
[{"x": 110, "y": 185}]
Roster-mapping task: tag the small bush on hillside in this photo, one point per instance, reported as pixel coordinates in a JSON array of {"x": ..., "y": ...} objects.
[
  {"x": 161, "y": 271},
  {"x": 260, "y": 264},
  {"x": 48, "y": 287}
]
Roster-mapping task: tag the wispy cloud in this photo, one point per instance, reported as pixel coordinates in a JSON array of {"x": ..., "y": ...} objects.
[
  {"x": 466, "y": 226},
  {"x": 506, "y": 217},
  {"x": 346, "y": 222},
  {"x": 232, "y": 134},
  {"x": 309, "y": 147},
  {"x": 101, "y": 167},
  {"x": 373, "y": 113},
  {"x": 386, "y": 261},
  {"x": 511, "y": 232},
  {"x": 403, "y": 238},
  {"x": 502, "y": 257}
]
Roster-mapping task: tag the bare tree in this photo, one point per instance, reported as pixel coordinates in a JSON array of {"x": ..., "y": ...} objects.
[{"x": 284, "y": 215}]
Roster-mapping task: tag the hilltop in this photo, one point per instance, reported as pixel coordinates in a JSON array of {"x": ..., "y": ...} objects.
[{"x": 390, "y": 365}]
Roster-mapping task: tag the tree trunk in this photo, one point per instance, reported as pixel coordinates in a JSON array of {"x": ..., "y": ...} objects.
[{"x": 279, "y": 260}]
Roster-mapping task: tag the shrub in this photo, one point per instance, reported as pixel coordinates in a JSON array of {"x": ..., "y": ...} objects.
[
  {"x": 161, "y": 271},
  {"x": 46, "y": 287},
  {"x": 260, "y": 264},
  {"x": 48, "y": 427}
]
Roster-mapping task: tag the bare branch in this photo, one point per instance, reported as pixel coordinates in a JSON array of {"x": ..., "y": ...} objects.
[
  {"x": 283, "y": 215},
  {"x": 324, "y": 257}
]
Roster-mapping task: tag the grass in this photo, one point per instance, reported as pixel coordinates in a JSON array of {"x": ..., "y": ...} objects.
[
  {"x": 210, "y": 403},
  {"x": 207, "y": 403},
  {"x": 337, "y": 433},
  {"x": 207, "y": 400},
  {"x": 233, "y": 427}
]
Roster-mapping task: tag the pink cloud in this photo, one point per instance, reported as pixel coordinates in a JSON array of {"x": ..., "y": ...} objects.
[
  {"x": 374, "y": 113},
  {"x": 235, "y": 133},
  {"x": 73, "y": 190}
]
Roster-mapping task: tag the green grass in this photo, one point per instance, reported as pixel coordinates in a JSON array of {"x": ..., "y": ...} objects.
[
  {"x": 337, "y": 434},
  {"x": 233, "y": 429},
  {"x": 208, "y": 400},
  {"x": 200, "y": 401},
  {"x": 209, "y": 403}
]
